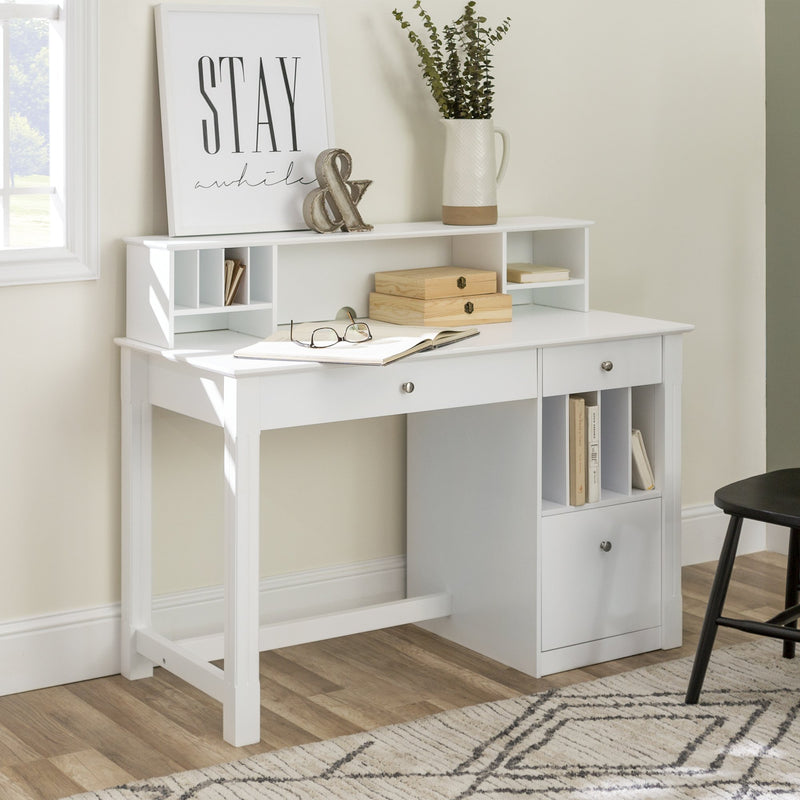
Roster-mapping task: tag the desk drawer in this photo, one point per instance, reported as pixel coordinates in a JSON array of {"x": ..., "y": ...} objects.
[
  {"x": 601, "y": 365},
  {"x": 425, "y": 383},
  {"x": 591, "y": 592}
]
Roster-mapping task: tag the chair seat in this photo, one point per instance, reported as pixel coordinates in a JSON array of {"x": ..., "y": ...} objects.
[{"x": 772, "y": 497}]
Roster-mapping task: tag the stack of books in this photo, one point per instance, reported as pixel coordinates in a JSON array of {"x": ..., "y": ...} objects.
[
  {"x": 584, "y": 453},
  {"x": 535, "y": 273},
  {"x": 234, "y": 272}
]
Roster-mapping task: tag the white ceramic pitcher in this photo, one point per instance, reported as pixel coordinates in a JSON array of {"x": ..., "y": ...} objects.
[{"x": 471, "y": 176}]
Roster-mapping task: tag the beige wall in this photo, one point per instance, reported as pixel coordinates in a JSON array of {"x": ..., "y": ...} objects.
[{"x": 645, "y": 116}]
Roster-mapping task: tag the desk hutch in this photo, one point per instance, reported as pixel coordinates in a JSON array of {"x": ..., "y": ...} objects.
[{"x": 497, "y": 559}]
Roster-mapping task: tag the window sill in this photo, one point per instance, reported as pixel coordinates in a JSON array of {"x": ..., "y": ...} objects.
[{"x": 46, "y": 266}]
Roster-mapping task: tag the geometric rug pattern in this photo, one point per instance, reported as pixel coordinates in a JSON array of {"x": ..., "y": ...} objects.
[{"x": 627, "y": 736}]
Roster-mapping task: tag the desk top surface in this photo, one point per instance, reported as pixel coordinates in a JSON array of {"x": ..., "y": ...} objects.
[{"x": 532, "y": 327}]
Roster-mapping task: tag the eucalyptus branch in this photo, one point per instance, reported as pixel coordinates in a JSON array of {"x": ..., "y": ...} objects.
[{"x": 457, "y": 65}]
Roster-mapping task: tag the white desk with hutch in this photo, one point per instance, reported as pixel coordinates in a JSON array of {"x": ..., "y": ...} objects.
[{"x": 497, "y": 559}]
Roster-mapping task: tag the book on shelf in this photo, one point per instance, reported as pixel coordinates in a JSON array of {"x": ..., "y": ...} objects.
[
  {"x": 234, "y": 272},
  {"x": 592, "y": 453},
  {"x": 389, "y": 343},
  {"x": 642, "y": 472},
  {"x": 535, "y": 273},
  {"x": 577, "y": 450}
]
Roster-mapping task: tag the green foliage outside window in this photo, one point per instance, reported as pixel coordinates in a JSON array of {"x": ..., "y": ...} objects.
[
  {"x": 29, "y": 98},
  {"x": 27, "y": 149}
]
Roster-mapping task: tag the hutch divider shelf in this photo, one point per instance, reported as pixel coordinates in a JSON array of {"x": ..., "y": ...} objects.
[
  {"x": 175, "y": 285},
  {"x": 497, "y": 559}
]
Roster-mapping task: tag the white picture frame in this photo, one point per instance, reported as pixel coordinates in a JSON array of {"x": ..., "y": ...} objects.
[{"x": 245, "y": 110}]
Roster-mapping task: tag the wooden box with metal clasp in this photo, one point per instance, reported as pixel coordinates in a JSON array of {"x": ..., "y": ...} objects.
[{"x": 438, "y": 296}]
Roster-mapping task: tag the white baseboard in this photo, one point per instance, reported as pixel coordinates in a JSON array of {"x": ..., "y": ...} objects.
[
  {"x": 703, "y": 530},
  {"x": 777, "y": 539},
  {"x": 300, "y": 594},
  {"x": 59, "y": 648},
  {"x": 80, "y": 645}
]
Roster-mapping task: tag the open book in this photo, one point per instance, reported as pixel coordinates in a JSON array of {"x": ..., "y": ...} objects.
[{"x": 389, "y": 343}]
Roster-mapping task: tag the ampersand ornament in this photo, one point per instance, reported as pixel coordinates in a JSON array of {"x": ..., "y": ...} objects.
[{"x": 333, "y": 206}]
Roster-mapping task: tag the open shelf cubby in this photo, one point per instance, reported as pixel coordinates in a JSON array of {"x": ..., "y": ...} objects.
[
  {"x": 176, "y": 284},
  {"x": 558, "y": 247},
  {"x": 621, "y": 410}
]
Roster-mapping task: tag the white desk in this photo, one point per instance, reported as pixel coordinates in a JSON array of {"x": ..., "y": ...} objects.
[{"x": 488, "y": 514}]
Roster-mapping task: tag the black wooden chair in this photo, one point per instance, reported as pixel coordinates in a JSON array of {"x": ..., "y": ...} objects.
[{"x": 772, "y": 497}]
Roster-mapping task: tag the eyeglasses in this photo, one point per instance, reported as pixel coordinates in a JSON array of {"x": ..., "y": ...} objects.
[{"x": 354, "y": 333}]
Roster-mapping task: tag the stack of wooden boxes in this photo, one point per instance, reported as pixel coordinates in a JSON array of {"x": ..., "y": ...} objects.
[{"x": 438, "y": 296}]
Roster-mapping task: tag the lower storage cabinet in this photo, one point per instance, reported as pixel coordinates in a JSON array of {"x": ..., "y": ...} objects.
[{"x": 601, "y": 573}]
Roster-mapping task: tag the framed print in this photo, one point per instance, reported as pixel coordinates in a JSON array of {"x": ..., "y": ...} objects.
[{"x": 245, "y": 110}]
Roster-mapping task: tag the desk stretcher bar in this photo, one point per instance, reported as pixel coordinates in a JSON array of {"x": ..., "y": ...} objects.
[{"x": 188, "y": 658}]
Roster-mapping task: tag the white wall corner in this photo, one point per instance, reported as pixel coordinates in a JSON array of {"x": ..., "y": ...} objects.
[{"x": 703, "y": 530}]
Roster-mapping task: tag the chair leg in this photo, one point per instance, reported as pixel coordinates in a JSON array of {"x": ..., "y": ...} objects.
[
  {"x": 792, "y": 579},
  {"x": 716, "y": 601}
]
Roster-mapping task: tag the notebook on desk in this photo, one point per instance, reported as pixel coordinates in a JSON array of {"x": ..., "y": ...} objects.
[{"x": 388, "y": 343}]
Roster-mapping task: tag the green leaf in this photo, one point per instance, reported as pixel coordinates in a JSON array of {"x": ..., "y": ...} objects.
[{"x": 456, "y": 64}]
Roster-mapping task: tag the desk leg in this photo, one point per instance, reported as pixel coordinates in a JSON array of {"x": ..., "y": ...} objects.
[
  {"x": 136, "y": 510},
  {"x": 241, "y": 723},
  {"x": 668, "y": 415}
]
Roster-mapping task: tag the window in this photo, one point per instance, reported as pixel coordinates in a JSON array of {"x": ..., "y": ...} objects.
[{"x": 48, "y": 172}]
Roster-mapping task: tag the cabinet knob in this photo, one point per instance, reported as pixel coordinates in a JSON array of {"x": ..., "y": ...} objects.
[
  {"x": 469, "y": 307},
  {"x": 606, "y": 366},
  {"x": 605, "y": 546},
  {"x": 407, "y": 387},
  {"x": 461, "y": 282}
]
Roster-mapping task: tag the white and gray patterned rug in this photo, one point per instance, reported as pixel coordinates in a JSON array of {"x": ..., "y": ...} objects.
[{"x": 629, "y": 736}]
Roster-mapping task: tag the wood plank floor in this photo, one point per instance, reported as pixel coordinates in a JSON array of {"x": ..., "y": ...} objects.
[{"x": 67, "y": 739}]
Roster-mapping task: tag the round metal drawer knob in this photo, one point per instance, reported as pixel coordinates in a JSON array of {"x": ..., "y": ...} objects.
[
  {"x": 607, "y": 366},
  {"x": 407, "y": 387},
  {"x": 605, "y": 546}
]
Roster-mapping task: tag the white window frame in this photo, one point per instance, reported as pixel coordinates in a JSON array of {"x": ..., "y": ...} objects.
[{"x": 73, "y": 158}]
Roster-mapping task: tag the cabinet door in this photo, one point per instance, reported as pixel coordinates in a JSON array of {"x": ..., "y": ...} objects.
[{"x": 601, "y": 573}]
